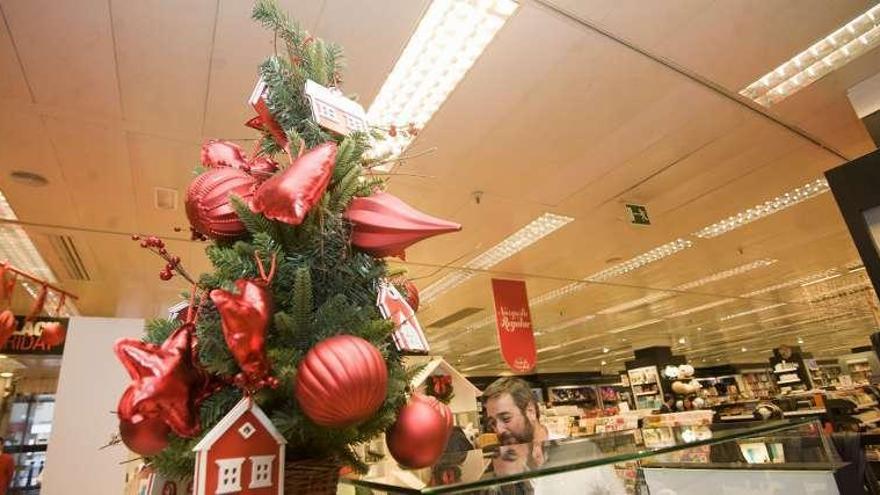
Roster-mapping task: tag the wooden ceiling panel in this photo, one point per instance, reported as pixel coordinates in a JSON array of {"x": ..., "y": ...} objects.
[
  {"x": 12, "y": 82},
  {"x": 163, "y": 53},
  {"x": 66, "y": 49},
  {"x": 96, "y": 172}
]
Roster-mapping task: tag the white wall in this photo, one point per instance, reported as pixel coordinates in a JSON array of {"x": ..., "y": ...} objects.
[{"x": 89, "y": 387}]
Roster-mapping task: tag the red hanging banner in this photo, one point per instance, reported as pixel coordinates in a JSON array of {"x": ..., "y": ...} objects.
[{"x": 514, "y": 323}]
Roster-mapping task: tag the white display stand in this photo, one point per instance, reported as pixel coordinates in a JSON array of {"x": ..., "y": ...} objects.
[
  {"x": 89, "y": 386},
  {"x": 739, "y": 482}
]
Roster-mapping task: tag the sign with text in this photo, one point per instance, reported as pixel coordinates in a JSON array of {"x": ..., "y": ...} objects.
[
  {"x": 26, "y": 337},
  {"x": 514, "y": 323}
]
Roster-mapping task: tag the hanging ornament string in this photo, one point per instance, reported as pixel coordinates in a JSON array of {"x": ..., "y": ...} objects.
[{"x": 272, "y": 264}]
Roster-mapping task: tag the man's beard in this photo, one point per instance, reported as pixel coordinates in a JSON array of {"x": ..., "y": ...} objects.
[{"x": 526, "y": 436}]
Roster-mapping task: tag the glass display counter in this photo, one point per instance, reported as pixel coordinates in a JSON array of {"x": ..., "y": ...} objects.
[{"x": 777, "y": 457}]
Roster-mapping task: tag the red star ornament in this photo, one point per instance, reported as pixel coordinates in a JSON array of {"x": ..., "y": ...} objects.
[{"x": 168, "y": 383}]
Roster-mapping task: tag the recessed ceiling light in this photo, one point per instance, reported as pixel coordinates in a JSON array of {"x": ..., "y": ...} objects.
[
  {"x": 682, "y": 340},
  {"x": 6, "y": 374},
  {"x": 533, "y": 232},
  {"x": 743, "y": 349},
  {"x": 447, "y": 42},
  {"x": 800, "y": 340},
  {"x": 32, "y": 179},
  {"x": 832, "y": 52},
  {"x": 3, "y": 356},
  {"x": 605, "y": 350},
  {"x": 604, "y": 362},
  {"x": 765, "y": 209}
]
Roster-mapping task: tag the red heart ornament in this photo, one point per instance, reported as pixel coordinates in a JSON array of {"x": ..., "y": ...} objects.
[
  {"x": 7, "y": 326},
  {"x": 289, "y": 195},
  {"x": 244, "y": 319}
]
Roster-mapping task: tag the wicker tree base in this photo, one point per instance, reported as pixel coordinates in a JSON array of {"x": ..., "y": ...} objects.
[{"x": 311, "y": 477}]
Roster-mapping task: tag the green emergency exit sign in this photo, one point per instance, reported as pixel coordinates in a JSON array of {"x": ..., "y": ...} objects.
[{"x": 638, "y": 214}]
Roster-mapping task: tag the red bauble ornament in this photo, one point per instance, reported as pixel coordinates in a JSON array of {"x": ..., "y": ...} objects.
[
  {"x": 146, "y": 437},
  {"x": 168, "y": 383},
  {"x": 7, "y": 326},
  {"x": 244, "y": 319},
  {"x": 53, "y": 333},
  {"x": 217, "y": 153},
  {"x": 288, "y": 196},
  {"x": 383, "y": 225},
  {"x": 207, "y": 202},
  {"x": 418, "y": 438},
  {"x": 342, "y": 381},
  {"x": 412, "y": 294}
]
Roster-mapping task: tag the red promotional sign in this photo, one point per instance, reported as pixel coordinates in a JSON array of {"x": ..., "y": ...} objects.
[{"x": 514, "y": 323}]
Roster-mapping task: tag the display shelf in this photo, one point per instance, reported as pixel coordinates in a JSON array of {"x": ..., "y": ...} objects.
[
  {"x": 642, "y": 394},
  {"x": 804, "y": 412},
  {"x": 786, "y": 382},
  {"x": 476, "y": 470}
]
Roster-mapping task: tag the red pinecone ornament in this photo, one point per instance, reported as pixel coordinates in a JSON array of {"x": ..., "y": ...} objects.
[
  {"x": 207, "y": 202},
  {"x": 383, "y": 225},
  {"x": 418, "y": 437},
  {"x": 342, "y": 381}
]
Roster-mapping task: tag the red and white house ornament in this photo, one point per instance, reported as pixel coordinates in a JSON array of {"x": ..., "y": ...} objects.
[
  {"x": 408, "y": 335},
  {"x": 333, "y": 111},
  {"x": 242, "y": 454}
]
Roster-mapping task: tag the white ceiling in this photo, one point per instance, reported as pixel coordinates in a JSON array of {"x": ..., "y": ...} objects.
[{"x": 111, "y": 99}]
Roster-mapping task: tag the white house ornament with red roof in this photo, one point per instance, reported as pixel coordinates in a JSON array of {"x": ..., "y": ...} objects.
[
  {"x": 242, "y": 454},
  {"x": 408, "y": 335}
]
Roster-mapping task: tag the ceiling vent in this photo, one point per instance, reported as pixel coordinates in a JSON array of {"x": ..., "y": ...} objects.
[
  {"x": 69, "y": 257},
  {"x": 454, "y": 317},
  {"x": 165, "y": 198}
]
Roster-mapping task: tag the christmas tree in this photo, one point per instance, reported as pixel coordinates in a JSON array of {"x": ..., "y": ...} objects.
[{"x": 292, "y": 273}]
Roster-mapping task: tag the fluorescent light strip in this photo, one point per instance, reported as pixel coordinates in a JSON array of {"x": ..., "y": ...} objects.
[
  {"x": 832, "y": 52},
  {"x": 533, "y": 232},
  {"x": 568, "y": 323},
  {"x": 751, "y": 311},
  {"x": 641, "y": 260},
  {"x": 702, "y": 307},
  {"x": 448, "y": 40},
  {"x": 480, "y": 350},
  {"x": 775, "y": 205},
  {"x": 715, "y": 277},
  {"x": 635, "y": 325},
  {"x": 791, "y": 283},
  {"x": 16, "y": 247}
]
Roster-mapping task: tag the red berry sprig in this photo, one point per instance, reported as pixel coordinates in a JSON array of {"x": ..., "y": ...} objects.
[{"x": 172, "y": 262}]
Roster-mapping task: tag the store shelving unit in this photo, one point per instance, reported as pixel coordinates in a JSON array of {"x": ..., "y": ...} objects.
[
  {"x": 759, "y": 384},
  {"x": 646, "y": 387},
  {"x": 860, "y": 371},
  {"x": 788, "y": 377},
  {"x": 585, "y": 396}
]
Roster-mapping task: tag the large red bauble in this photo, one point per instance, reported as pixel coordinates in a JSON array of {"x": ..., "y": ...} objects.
[
  {"x": 418, "y": 438},
  {"x": 383, "y": 225},
  {"x": 7, "y": 326},
  {"x": 244, "y": 318},
  {"x": 341, "y": 381},
  {"x": 53, "y": 333},
  {"x": 146, "y": 437},
  {"x": 207, "y": 202},
  {"x": 289, "y": 195}
]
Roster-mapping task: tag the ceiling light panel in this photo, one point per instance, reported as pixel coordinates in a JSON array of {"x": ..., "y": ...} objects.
[
  {"x": 17, "y": 248},
  {"x": 702, "y": 307},
  {"x": 775, "y": 205},
  {"x": 641, "y": 260},
  {"x": 830, "y": 53},
  {"x": 635, "y": 326},
  {"x": 448, "y": 40},
  {"x": 792, "y": 283},
  {"x": 750, "y": 312},
  {"x": 533, "y": 232}
]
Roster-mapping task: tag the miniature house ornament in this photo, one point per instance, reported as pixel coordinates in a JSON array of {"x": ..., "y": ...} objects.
[
  {"x": 242, "y": 454},
  {"x": 408, "y": 335},
  {"x": 333, "y": 111}
]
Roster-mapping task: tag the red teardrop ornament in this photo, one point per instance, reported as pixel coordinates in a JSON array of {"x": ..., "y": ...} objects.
[
  {"x": 207, "y": 202},
  {"x": 289, "y": 195},
  {"x": 341, "y": 381},
  {"x": 383, "y": 225}
]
